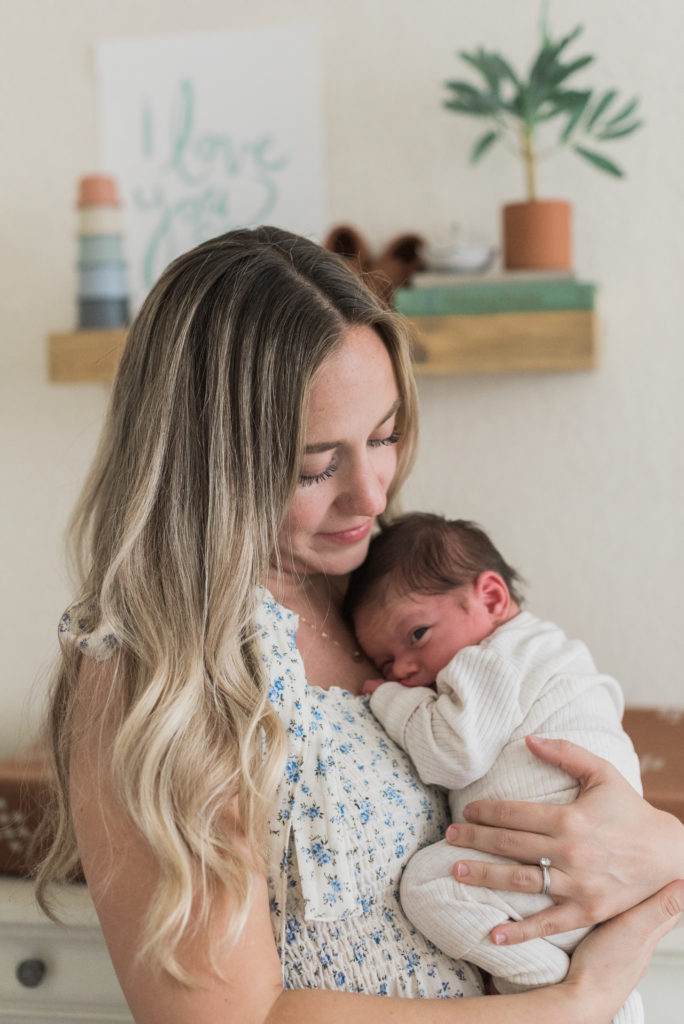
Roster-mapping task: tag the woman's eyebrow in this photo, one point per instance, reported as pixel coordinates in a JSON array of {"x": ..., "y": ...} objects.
[{"x": 327, "y": 446}]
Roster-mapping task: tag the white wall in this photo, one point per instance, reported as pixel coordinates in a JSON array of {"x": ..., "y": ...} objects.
[{"x": 579, "y": 477}]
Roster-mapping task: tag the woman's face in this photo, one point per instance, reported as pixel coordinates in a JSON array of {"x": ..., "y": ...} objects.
[{"x": 349, "y": 462}]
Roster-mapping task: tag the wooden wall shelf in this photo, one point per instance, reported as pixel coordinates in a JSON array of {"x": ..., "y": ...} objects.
[
  {"x": 510, "y": 323},
  {"x": 76, "y": 356},
  {"x": 498, "y": 343},
  {"x": 506, "y": 342}
]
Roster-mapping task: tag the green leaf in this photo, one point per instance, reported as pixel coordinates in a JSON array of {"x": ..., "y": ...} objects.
[
  {"x": 617, "y": 132},
  {"x": 470, "y": 109},
  {"x": 564, "y": 101},
  {"x": 466, "y": 99},
  {"x": 563, "y": 71},
  {"x": 493, "y": 68},
  {"x": 623, "y": 114},
  {"x": 484, "y": 143},
  {"x": 575, "y": 114},
  {"x": 467, "y": 88},
  {"x": 547, "y": 60},
  {"x": 570, "y": 38},
  {"x": 600, "y": 107},
  {"x": 600, "y": 161}
]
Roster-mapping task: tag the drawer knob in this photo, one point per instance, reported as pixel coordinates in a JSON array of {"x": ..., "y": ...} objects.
[{"x": 30, "y": 973}]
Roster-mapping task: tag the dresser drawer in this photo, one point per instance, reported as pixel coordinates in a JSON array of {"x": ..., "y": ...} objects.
[
  {"x": 61, "y": 973},
  {"x": 51, "y": 972}
]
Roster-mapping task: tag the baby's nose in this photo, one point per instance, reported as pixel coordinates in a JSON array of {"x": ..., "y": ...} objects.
[{"x": 403, "y": 667}]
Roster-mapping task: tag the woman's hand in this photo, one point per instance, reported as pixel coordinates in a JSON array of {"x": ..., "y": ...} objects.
[
  {"x": 609, "y": 850},
  {"x": 610, "y": 962}
]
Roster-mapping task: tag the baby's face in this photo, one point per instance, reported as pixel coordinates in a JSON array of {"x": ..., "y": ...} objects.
[{"x": 411, "y": 637}]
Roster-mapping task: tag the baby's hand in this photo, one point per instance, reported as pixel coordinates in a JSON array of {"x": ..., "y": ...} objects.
[{"x": 371, "y": 685}]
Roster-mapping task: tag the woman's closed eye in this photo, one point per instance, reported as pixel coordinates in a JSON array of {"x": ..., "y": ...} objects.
[
  {"x": 376, "y": 442},
  {"x": 307, "y": 479}
]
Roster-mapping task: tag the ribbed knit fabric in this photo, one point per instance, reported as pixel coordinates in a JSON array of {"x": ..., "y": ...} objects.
[{"x": 469, "y": 736}]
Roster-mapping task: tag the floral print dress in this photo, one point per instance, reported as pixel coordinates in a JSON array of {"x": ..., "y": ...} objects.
[{"x": 351, "y": 812}]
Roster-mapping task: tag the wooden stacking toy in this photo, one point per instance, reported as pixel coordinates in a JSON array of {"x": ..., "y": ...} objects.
[{"x": 102, "y": 285}]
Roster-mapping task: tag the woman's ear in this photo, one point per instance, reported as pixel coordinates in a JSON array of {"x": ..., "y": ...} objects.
[{"x": 491, "y": 590}]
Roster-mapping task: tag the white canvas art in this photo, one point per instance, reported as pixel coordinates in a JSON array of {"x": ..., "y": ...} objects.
[{"x": 207, "y": 132}]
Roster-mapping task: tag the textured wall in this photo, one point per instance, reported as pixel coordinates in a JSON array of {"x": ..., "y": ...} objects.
[{"x": 577, "y": 476}]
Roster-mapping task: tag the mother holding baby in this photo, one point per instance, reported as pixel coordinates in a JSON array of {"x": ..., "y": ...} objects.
[{"x": 241, "y": 818}]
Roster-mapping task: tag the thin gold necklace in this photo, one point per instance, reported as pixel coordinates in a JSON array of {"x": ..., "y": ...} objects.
[{"x": 355, "y": 655}]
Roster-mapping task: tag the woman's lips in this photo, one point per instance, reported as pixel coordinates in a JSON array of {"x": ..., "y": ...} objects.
[{"x": 352, "y": 536}]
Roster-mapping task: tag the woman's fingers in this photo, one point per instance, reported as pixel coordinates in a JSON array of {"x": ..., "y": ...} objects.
[
  {"x": 543, "y": 819},
  {"x": 587, "y": 768},
  {"x": 565, "y": 917},
  {"x": 562, "y": 916},
  {"x": 656, "y": 915},
  {"x": 486, "y": 831},
  {"x": 509, "y": 877}
]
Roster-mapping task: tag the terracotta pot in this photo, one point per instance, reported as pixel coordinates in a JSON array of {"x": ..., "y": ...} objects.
[{"x": 537, "y": 235}]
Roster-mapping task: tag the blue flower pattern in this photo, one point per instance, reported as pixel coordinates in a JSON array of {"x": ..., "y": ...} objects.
[{"x": 350, "y": 813}]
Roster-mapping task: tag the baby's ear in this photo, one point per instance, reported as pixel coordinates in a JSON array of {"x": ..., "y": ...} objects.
[{"x": 491, "y": 589}]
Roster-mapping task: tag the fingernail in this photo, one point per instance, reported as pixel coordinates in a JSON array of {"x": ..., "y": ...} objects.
[
  {"x": 452, "y": 833},
  {"x": 499, "y": 938},
  {"x": 462, "y": 869}
]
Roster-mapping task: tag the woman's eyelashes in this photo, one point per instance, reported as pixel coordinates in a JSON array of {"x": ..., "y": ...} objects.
[
  {"x": 307, "y": 479},
  {"x": 392, "y": 438}
]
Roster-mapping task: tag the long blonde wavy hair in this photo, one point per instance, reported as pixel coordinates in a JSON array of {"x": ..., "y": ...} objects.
[{"x": 174, "y": 531}]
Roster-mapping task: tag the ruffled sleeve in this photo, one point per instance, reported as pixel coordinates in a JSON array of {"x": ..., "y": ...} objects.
[
  {"x": 76, "y": 629},
  {"x": 313, "y": 808}
]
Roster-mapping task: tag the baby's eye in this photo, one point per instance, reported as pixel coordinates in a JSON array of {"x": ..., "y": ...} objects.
[{"x": 418, "y": 634}]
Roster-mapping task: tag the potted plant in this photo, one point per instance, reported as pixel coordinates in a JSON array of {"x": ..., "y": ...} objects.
[{"x": 536, "y": 115}]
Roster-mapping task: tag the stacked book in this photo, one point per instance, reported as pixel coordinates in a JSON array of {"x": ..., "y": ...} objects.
[{"x": 517, "y": 320}]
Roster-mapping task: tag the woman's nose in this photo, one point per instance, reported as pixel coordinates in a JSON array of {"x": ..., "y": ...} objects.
[{"x": 365, "y": 493}]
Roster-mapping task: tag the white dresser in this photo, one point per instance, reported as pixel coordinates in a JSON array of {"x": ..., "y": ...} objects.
[
  {"x": 50, "y": 973},
  {"x": 62, "y": 975}
]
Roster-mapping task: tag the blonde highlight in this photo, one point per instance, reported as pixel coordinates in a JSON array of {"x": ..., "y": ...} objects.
[{"x": 171, "y": 539}]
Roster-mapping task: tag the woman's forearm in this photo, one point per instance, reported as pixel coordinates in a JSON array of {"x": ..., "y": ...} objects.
[{"x": 562, "y": 1004}]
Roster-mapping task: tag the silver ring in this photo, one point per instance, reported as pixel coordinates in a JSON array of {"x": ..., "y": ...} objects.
[{"x": 545, "y": 864}]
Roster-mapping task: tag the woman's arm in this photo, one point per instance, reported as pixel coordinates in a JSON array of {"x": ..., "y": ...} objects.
[
  {"x": 121, "y": 871},
  {"x": 609, "y": 850}
]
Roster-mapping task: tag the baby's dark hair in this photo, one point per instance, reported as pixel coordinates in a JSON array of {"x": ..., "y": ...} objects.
[{"x": 427, "y": 554}]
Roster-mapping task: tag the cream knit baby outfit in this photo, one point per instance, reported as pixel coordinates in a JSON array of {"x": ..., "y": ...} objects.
[{"x": 469, "y": 736}]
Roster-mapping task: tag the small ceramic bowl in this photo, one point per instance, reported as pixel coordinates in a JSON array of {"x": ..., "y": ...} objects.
[{"x": 461, "y": 257}]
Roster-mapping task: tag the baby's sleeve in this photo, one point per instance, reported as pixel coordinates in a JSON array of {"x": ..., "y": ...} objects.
[{"x": 454, "y": 735}]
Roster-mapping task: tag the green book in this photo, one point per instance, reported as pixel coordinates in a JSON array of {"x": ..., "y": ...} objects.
[{"x": 499, "y": 296}]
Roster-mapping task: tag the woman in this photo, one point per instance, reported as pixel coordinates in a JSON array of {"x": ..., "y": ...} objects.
[{"x": 243, "y": 831}]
